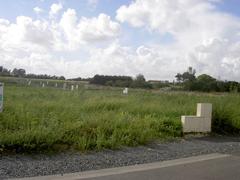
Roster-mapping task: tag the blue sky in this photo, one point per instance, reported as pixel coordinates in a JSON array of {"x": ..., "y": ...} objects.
[
  {"x": 10, "y": 9},
  {"x": 156, "y": 38},
  {"x": 230, "y": 6}
]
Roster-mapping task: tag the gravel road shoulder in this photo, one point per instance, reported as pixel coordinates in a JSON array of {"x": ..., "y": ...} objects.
[{"x": 41, "y": 164}]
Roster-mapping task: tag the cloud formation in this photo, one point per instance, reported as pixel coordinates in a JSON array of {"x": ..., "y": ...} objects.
[
  {"x": 191, "y": 23},
  {"x": 87, "y": 30},
  {"x": 55, "y": 8},
  {"x": 40, "y": 45},
  {"x": 72, "y": 45},
  {"x": 38, "y": 10}
]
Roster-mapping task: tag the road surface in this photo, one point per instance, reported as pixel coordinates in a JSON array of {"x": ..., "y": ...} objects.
[{"x": 204, "y": 167}]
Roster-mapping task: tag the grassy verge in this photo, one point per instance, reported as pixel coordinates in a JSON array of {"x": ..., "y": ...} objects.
[{"x": 38, "y": 118}]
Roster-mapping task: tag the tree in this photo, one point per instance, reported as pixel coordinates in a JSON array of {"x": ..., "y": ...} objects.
[
  {"x": 140, "y": 78},
  {"x": 189, "y": 75},
  {"x": 179, "y": 77},
  {"x": 121, "y": 81},
  {"x": 4, "y": 71},
  {"x": 206, "y": 83},
  {"x": 19, "y": 72},
  {"x": 61, "y": 78},
  {"x": 205, "y": 78},
  {"x": 186, "y": 76},
  {"x": 140, "y": 82}
]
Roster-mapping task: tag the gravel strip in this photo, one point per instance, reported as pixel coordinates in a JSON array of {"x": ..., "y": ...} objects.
[{"x": 39, "y": 165}]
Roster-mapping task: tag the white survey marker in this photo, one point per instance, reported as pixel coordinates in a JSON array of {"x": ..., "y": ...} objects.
[{"x": 1, "y": 97}]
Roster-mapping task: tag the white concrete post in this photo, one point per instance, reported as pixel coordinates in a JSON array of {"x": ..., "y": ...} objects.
[
  {"x": 64, "y": 86},
  {"x": 56, "y": 85},
  {"x": 29, "y": 83},
  {"x": 77, "y": 87},
  {"x": 1, "y": 97},
  {"x": 72, "y": 87},
  {"x": 201, "y": 122},
  {"x": 43, "y": 85},
  {"x": 125, "y": 91}
]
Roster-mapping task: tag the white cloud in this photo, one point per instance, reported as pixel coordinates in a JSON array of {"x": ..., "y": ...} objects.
[
  {"x": 122, "y": 60},
  {"x": 98, "y": 28},
  {"x": 55, "y": 8},
  {"x": 69, "y": 33},
  {"x": 38, "y": 10},
  {"x": 204, "y": 37},
  {"x": 217, "y": 56},
  {"x": 71, "y": 45},
  {"x": 166, "y": 15},
  {"x": 42, "y": 46},
  {"x": 95, "y": 29},
  {"x": 26, "y": 31}
]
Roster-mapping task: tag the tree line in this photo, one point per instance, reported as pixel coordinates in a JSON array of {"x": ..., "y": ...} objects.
[
  {"x": 205, "y": 83},
  {"x": 21, "y": 73},
  {"x": 187, "y": 81},
  {"x": 121, "y": 81}
]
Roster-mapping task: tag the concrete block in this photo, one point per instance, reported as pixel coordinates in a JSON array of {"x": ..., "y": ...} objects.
[
  {"x": 196, "y": 124},
  {"x": 204, "y": 110},
  {"x": 200, "y": 123}
]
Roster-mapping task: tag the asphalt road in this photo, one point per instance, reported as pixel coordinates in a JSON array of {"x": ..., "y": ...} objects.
[
  {"x": 204, "y": 167},
  {"x": 218, "y": 169}
]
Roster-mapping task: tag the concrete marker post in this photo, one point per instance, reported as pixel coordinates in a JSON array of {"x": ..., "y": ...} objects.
[
  {"x": 64, "y": 86},
  {"x": 29, "y": 83},
  {"x": 125, "y": 91},
  {"x": 1, "y": 97}
]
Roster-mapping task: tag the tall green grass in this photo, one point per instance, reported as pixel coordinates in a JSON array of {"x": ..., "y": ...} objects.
[{"x": 42, "y": 118}]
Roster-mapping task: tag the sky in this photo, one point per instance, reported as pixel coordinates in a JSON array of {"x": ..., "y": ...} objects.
[{"x": 156, "y": 38}]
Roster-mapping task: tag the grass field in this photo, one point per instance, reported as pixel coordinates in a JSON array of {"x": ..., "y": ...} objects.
[{"x": 51, "y": 119}]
